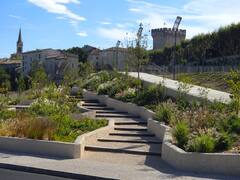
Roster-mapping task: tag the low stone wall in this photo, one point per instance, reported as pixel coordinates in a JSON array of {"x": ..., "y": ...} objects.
[
  {"x": 93, "y": 136},
  {"x": 158, "y": 129},
  {"x": 216, "y": 163},
  {"x": 40, "y": 147},
  {"x": 131, "y": 108},
  {"x": 194, "y": 93}
]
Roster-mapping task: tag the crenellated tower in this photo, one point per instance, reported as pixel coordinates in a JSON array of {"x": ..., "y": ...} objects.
[{"x": 164, "y": 37}]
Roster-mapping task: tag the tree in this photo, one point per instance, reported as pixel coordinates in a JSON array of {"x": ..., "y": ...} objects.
[
  {"x": 21, "y": 84},
  {"x": 5, "y": 83},
  {"x": 234, "y": 84},
  {"x": 39, "y": 80},
  {"x": 138, "y": 55},
  {"x": 82, "y": 56}
]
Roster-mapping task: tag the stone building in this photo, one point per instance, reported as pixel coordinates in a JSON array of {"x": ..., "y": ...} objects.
[
  {"x": 109, "y": 58},
  {"x": 165, "y": 37},
  {"x": 55, "y": 62}
]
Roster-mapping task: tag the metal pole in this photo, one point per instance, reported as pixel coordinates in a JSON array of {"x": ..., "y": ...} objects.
[{"x": 174, "y": 55}]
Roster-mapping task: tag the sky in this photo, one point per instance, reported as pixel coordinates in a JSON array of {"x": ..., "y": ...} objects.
[{"x": 62, "y": 24}]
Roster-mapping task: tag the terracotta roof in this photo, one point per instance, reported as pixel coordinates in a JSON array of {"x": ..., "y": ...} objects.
[{"x": 11, "y": 62}]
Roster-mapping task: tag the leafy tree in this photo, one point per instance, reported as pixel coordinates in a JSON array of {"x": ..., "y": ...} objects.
[
  {"x": 21, "y": 83},
  {"x": 82, "y": 56},
  {"x": 5, "y": 83},
  {"x": 39, "y": 80},
  {"x": 234, "y": 84}
]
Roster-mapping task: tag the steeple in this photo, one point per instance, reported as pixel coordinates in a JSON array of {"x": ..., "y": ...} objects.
[
  {"x": 20, "y": 36},
  {"x": 19, "y": 43}
]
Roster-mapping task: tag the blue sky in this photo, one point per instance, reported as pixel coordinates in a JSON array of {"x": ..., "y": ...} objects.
[{"x": 67, "y": 23}]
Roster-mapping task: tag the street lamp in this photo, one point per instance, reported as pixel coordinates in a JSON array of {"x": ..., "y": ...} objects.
[
  {"x": 175, "y": 29},
  {"x": 117, "y": 47}
]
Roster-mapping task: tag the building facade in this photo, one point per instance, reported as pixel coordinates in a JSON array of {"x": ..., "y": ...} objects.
[
  {"x": 109, "y": 58},
  {"x": 165, "y": 37},
  {"x": 54, "y": 62}
]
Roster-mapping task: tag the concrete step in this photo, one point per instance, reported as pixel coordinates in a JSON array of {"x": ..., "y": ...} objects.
[
  {"x": 127, "y": 150},
  {"x": 90, "y": 101},
  {"x": 131, "y": 133},
  {"x": 116, "y": 116},
  {"x": 131, "y": 123},
  {"x": 98, "y": 108},
  {"x": 93, "y": 105},
  {"x": 110, "y": 112},
  {"x": 153, "y": 141},
  {"x": 133, "y": 128},
  {"x": 124, "y": 159}
]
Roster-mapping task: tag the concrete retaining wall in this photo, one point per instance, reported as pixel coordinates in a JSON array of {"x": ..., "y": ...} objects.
[
  {"x": 216, "y": 163},
  {"x": 131, "y": 108},
  {"x": 39, "y": 147},
  {"x": 93, "y": 136},
  {"x": 194, "y": 93}
]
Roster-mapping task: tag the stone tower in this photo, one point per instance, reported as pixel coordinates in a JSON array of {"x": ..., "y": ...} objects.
[
  {"x": 19, "y": 43},
  {"x": 164, "y": 37}
]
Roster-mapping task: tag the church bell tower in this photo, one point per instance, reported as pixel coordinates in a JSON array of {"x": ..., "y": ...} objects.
[{"x": 19, "y": 43}]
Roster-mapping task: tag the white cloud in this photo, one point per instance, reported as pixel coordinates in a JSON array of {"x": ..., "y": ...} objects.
[
  {"x": 82, "y": 34},
  {"x": 58, "y": 7},
  {"x": 105, "y": 22},
  {"x": 16, "y": 17},
  {"x": 198, "y": 16},
  {"x": 134, "y": 10},
  {"x": 114, "y": 33}
]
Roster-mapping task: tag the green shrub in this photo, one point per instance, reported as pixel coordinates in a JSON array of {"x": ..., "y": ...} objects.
[
  {"x": 104, "y": 88},
  {"x": 223, "y": 142},
  {"x": 127, "y": 95},
  {"x": 202, "y": 143},
  {"x": 92, "y": 83},
  {"x": 45, "y": 107},
  {"x": 6, "y": 114},
  {"x": 217, "y": 106},
  {"x": 182, "y": 103},
  {"x": 152, "y": 95},
  {"x": 235, "y": 125},
  {"x": 181, "y": 134},
  {"x": 164, "y": 113}
]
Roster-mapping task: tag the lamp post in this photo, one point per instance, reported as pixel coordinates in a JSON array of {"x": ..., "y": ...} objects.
[
  {"x": 117, "y": 48},
  {"x": 175, "y": 29},
  {"x": 138, "y": 46}
]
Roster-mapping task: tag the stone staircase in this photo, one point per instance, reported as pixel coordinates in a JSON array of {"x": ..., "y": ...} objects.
[{"x": 129, "y": 136}]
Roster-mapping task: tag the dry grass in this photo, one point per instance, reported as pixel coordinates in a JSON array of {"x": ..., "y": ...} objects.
[{"x": 27, "y": 126}]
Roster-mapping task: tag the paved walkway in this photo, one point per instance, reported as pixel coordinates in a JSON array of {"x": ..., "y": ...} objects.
[
  {"x": 213, "y": 95},
  {"x": 104, "y": 169}
]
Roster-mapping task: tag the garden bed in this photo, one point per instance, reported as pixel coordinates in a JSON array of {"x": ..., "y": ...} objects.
[
  {"x": 198, "y": 126},
  {"x": 219, "y": 163}
]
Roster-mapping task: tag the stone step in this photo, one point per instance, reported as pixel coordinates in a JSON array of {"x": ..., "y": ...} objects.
[
  {"x": 121, "y": 159},
  {"x": 90, "y": 101},
  {"x": 138, "y": 128},
  {"x": 130, "y": 140},
  {"x": 131, "y": 133},
  {"x": 93, "y": 105},
  {"x": 110, "y": 112},
  {"x": 136, "y": 151},
  {"x": 131, "y": 123},
  {"x": 98, "y": 108},
  {"x": 116, "y": 116}
]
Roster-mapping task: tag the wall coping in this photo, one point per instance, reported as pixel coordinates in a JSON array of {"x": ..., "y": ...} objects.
[{"x": 218, "y": 163}]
